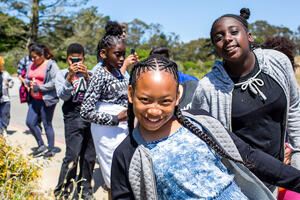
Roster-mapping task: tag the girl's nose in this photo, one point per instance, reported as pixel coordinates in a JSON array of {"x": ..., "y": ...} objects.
[
  {"x": 154, "y": 111},
  {"x": 228, "y": 37}
]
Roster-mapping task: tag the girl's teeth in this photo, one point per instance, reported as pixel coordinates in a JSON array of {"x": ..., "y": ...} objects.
[
  {"x": 230, "y": 48},
  {"x": 153, "y": 120}
]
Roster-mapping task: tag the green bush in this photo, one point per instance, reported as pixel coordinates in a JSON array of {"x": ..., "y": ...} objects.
[
  {"x": 12, "y": 59},
  {"x": 19, "y": 174},
  {"x": 197, "y": 69}
]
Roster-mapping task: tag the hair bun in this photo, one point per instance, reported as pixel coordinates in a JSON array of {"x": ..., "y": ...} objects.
[
  {"x": 113, "y": 28},
  {"x": 245, "y": 13}
]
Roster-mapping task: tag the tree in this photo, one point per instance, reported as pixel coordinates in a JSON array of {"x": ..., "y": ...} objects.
[
  {"x": 136, "y": 31},
  {"x": 261, "y": 30},
  {"x": 88, "y": 29},
  {"x": 13, "y": 32},
  {"x": 39, "y": 12}
]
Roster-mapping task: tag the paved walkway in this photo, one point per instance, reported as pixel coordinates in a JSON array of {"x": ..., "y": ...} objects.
[{"x": 19, "y": 135}]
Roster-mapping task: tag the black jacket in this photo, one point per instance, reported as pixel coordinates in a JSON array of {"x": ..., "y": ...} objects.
[{"x": 264, "y": 166}]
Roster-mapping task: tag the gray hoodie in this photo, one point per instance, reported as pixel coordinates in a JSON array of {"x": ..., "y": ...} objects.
[
  {"x": 48, "y": 88},
  {"x": 214, "y": 94}
]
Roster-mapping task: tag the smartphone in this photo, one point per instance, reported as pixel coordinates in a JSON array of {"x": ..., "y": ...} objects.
[
  {"x": 132, "y": 51},
  {"x": 75, "y": 60}
]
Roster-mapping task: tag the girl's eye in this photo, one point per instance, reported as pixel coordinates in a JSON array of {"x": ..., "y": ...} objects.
[
  {"x": 119, "y": 54},
  {"x": 166, "y": 102},
  {"x": 144, "y": 100},
  {"x": 234, "y": 32},
  {"x": 217, "y": 38}
]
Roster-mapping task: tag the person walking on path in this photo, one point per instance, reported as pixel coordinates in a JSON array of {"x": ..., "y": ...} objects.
[
  {"x": 71, "y": 85},
  {"x": 40, "y": 78}
]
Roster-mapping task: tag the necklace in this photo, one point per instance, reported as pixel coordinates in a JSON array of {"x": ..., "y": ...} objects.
[{"x": 253, "y": 84}]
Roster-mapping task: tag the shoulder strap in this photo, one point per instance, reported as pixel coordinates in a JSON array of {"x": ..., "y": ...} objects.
[{"x": 215, "y": 129}]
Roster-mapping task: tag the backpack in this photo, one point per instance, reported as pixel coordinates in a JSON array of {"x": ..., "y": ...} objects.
[{"x": 23, "y": 93}]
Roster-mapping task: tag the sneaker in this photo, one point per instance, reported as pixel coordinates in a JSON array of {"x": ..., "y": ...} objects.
[
  {"x": 4, "y": 132},
  {"x": 39, "y": 151},
  {"x": 48, "y": 154}
]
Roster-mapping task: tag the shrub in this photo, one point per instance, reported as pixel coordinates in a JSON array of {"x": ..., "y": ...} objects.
[{"x": 19, "y": 173}]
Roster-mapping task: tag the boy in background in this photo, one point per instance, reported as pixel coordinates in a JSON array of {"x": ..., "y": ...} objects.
[{"x": 71, "y": 85}]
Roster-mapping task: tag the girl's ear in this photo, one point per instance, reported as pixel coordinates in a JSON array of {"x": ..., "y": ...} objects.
[
  {"x": 103, "y": 54},
  {"x": 179, "y": 94},
  {"x": 250, "y": 38},
  {"x": 130, "y": 94}
]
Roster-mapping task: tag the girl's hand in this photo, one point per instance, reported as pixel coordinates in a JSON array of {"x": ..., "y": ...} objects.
[
  {"x": 32, "y": 83},
  {"x": 122, "y": 116},
  {"x": 27, "y": 88},
  {"x": 129, "y": 61},
  {"x": 287, "y": 155}
]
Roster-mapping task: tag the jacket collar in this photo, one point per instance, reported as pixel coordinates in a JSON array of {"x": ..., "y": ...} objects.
[{"x": 219, "y": 71}]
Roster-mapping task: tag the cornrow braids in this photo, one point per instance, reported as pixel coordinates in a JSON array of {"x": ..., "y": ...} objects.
[
  {"x": 108, "y": 41},
  {"x": 206, "y": 138},
  {"x": 152, "y": 63}
]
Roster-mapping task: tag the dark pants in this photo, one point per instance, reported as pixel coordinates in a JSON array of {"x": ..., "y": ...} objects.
[
  {"x": 36, "y": 108},
  {"x": 5, "y": 114},
  {"x": 79, "y": 148}
]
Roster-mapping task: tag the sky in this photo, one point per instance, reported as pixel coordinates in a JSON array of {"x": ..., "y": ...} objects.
[{"x": 192, "y": 19}]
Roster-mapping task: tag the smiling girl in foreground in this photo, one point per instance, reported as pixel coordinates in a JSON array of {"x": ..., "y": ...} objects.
[{"x": 169, "y": 156}]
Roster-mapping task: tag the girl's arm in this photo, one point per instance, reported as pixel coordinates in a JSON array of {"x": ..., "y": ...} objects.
[
  {"x": 268, "y": 168},
  {"x": 293, "y": 119},
  {"x": 88, "y": 107},
  {"x": 120, "y": 186}
]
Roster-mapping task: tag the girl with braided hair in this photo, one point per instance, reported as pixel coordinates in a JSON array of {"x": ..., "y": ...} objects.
[
  {"x": 117, "y": 29},
  {"x": 253, "y": 92},
  {"x": 105, "y": 102},
  {"x": 184, "y": 155}
]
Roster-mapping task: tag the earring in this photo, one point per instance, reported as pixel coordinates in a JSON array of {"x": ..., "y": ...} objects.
[{"x": 104, "y": 57}]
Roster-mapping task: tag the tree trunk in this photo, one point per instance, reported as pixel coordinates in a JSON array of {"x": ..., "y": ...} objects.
[{"x": 34, "y": 21}]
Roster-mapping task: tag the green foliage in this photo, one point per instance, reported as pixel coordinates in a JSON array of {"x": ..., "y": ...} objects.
[
  {"x": 90, "y": 61},
  {"x": 12, "y": 59},
  {"x": 197, "y": 69},
  {"x": 13, "y": 32},
  {"x": 142, "y": 53},
  {"x": 19, "y": 174},
  {"x": 85, "y": 27}
]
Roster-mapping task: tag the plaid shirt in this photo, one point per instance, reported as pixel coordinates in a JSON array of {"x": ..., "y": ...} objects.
[{"x": 23, "y": 64}]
